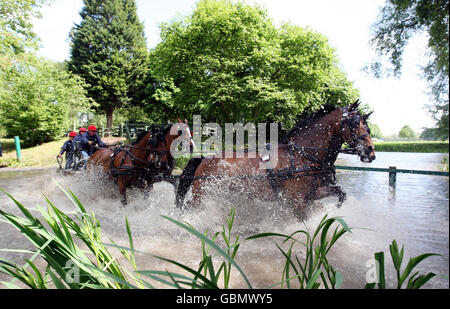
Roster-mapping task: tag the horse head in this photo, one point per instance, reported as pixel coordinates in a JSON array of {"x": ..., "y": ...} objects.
[
  {"x": 162, "y": 140},
  {"x": 356, "y": 133}
]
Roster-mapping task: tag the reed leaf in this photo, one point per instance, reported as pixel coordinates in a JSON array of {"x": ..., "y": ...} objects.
[{"x": 212, "y": 244}]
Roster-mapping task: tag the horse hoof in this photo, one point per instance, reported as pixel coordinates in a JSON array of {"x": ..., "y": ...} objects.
[
  {"x": 340, "y": 202},
  {"x": 146, "y": 195}
]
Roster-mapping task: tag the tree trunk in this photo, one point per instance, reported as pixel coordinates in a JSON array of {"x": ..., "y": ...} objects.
[{"x": 109, "y": 121}]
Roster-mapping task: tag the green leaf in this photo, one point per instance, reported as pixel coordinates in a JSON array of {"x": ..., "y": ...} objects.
[
  {"x": 413, "y": 262},
  {"x": 312, "y": 281},
  {"x": 379, "y": 257}
]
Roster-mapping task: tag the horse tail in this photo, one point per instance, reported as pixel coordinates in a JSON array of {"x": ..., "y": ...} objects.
[{"x": 186, "y": 180}]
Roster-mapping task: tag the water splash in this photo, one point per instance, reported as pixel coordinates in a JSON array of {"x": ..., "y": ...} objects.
[{"x": 381, "y": 219}]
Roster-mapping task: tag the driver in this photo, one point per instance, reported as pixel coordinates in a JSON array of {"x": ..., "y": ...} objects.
[
  {"x": 91, "y": 140},
  {"x": 79, "y": 140}
]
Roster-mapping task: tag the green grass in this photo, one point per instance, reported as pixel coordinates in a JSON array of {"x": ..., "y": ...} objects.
[
  {"x": 39, "y": 156},
  {"x": 418, "y": 146},
  {"x": 93, "y": 266}
]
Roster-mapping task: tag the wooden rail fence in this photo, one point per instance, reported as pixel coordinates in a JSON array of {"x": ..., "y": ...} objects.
[{"x": 392, "y": 170}]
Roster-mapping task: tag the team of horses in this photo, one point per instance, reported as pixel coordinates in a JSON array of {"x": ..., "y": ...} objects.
[{"x": 303, "y": 172}]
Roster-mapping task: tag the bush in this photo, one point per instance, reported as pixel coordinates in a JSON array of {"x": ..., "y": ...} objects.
[{"x": 440, "y": 147}]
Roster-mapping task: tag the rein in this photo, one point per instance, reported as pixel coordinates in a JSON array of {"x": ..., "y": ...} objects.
[
  {"x": 345, "y": 120},
  {"x": 142, "y": 167},
  {"x": 317, "y": 166}
]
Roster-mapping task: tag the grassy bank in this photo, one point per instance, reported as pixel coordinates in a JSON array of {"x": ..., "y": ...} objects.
[
  {"x": 39, "y": 156},
  {"x": 417, "y": 146}
]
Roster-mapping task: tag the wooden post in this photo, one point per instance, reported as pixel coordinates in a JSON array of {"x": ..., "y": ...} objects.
[
  {"x": 392, "y": 177},
  {"x": 127, "y": 131}
]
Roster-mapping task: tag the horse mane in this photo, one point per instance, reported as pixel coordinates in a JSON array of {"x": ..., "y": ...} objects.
[
  {"x": 310, "y": 120},
  {"x": 140, "y": 137},
  {"x": 167, "y": 129}
]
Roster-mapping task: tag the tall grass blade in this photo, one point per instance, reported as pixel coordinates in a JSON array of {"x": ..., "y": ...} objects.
[{"x": 212, "y": 244}]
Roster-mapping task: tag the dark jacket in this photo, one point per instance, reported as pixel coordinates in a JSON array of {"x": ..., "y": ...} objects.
[
  {"x": 79, "y": 140},
  {"x": 95, "y": 139},
  {"x": 68, "y": 147}
]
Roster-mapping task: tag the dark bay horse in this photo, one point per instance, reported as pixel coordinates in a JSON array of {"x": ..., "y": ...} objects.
[
  {"x": 304, "y": 169},
  {"x": 138, "y": 164}
]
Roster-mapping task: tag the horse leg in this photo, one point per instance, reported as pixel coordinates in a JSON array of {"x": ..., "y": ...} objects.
[
  {"x": 122, "y": 189},
  {"x": 147, "y": 190},
  {"x": 196, "y": 195},
  {"x": 332, "y": 190}
]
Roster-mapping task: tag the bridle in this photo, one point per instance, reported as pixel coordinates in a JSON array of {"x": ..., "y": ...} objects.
[
  {"x": 317, "y": 166},
  {"x": 138, "y": 165},
  {"x": 158, "y": 153},
  {"x": 352, "y": 122}
]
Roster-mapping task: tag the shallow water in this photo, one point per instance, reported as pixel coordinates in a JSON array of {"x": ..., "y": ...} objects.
[{"x": 416, "y": 216}]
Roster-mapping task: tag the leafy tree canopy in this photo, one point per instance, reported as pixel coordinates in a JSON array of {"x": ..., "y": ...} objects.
[
  {"x": 430, "y": 134},
  {"x": 229, "y": 63},
  {"x": 407, "y": 132},
  {"x": 375, "y": 131},
  {"x": 16, "y": 29},
  {"x": 109, "y": 52},
  {"x": 39, "y": 99},
  {"x": 398, "y": 21}
]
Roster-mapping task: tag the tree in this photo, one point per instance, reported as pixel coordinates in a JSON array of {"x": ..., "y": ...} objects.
[
  {"x": 375, "y": 131},
  {"x": 430, "y": 134},
  {"x": 229, "y": 63},
  {"x": 39, "y": 99},
  {"x": 398, "y": 21},
  {"x": 16, "y": 30},
  {"x": 407, "y": 132},
  {"x": 109, "y": 52}
]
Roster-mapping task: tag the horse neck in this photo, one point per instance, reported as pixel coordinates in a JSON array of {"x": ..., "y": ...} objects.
[
  {"x": 321, "y": 137},
  {"x": 140, "y": 149}
]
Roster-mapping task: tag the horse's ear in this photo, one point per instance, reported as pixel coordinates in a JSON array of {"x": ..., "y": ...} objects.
[
  {"x": 179, "y": 120},
  {"x": 365, "y": 117},
  {"x": 354, "y": 106}
]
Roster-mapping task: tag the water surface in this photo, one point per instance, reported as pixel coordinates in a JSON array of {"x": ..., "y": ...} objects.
[{"x": 416, "y": 216}]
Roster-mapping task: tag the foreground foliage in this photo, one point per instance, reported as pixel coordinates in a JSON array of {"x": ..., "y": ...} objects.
[{"x": 76, "y": 256}]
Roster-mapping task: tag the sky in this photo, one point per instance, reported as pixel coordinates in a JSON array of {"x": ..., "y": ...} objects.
[{"x": 346, "y": 24}]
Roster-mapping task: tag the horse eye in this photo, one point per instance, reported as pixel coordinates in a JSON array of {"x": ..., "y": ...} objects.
[{"x": 180, "y": 132}]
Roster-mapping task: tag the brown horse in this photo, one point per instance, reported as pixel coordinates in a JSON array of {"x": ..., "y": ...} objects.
[
  {"x": 139, "y": 163},
  {"x": 304, "y": 170}
]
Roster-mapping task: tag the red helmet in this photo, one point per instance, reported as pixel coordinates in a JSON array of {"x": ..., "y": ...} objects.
[
  {"x": 92, "y": 128},
  {"x": 82, "y": 130},
  {"x": 72, "y": 134}
]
